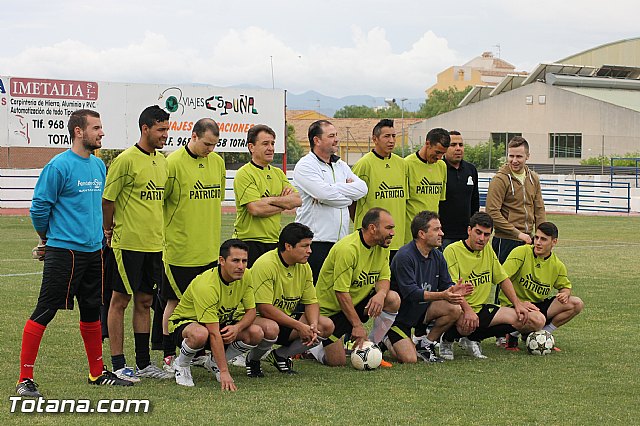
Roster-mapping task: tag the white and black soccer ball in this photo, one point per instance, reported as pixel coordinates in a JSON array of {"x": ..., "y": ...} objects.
[
  {"x": 540, "y": 343},
  {"x": 367, "y": 357}
]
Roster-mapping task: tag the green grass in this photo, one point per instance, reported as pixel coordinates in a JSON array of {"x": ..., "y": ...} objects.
[{"x": 594, "y": 380}]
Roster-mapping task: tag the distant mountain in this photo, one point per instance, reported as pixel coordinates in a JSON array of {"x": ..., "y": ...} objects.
[{"x": 328, "y": 105}]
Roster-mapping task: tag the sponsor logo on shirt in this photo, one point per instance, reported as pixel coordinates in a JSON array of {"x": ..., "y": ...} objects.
[
  {"x": 481, "y": 278},
  {"x": 366, "y": 278},
  {"x": 286, "y": 303},
  {"x": 90, "y": 185},
  {"x": 386, "y": 191},
  {"x": 201, "y": 191},
  {"x": 225, "y": 315},
  {"x": 426, "y": 286},
  {"x": 531, "y": 284},
  {"x": 152, "y": 193},
  {"x": 429, "y": 188}
]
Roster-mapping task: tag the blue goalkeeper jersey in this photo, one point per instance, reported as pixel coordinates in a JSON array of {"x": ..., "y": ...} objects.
[{"x": 67, "y": 202}]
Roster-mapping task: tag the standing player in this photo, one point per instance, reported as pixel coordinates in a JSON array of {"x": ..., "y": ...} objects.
[
  {"x": 68, "y": 194},
  {"x": 514, "y": 200},
  {"x": 427, "y": 177},
  {"x": 462, "y": 196},
  {"x": 133, "y": 224},
  {"x": 534, "y": 271},
  {"x": 354, "y": 286},
  {"x": 282, "y": 279},
  {"x": 419, "y": 273},
  {"x": 194, "y": 189},
  {"x": 327, "y": 188},
  {"x": 385, "y": 175},
  {"x": 472, "y": 260},
  {"x": 262, "y": 193},
  {"x": 217, "y": 309}
]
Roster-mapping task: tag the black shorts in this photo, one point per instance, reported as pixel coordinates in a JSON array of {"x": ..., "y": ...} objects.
[
  {"x": 319, "y": 252},
  {"x": 503, "y": 246},
  {"x": 486, "y": 314},
  {"x": 342, "y": 324},
  {"x": 137, "y": 271},
  {"x": 392, "y": 254},
  {"x": 398, "y": 332},
  {"x": 68, "y": 273},
  {"x": 285, "y": 332},
  {"x": 257, "y": 249},
  {"x": 176, "y": 336},
  {"x": 544, "y": 307},
  {"x": 176, "y": 279}
]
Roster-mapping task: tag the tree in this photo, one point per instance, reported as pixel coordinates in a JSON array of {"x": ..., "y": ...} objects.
[
  {"x": 441, "y": 101},
  {"x": 108, "y": 155},
  {"x": 355, "y": 111},
  {"x": 478, "y": 155},
  {"x": 363, "y": 111},
  {"x": 294, "y": 150},
  {"x": 600, "y": 160}
]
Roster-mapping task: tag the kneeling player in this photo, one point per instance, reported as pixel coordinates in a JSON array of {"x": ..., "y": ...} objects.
[
  {"x": 219, "y": 308},
  {"x": 354, "y": 286},
  {"x": 534, "y": 270},
  {"x": 474, "y": 261},
  {"x": 419, "y": 272},
  {"x": 283, "y": 280}
]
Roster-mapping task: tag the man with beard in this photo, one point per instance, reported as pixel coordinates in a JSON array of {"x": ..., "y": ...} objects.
[
  {"x": 354, "y": 286},
  {"x": 133, "y": 225},
  {"x": 68, "y": 193}
]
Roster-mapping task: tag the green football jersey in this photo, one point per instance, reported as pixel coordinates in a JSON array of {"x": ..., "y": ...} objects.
[
  {"x": 533, "y": 276},
  {"x": 387, "y": 182},
  {"x": 209, "y": 299},
  {"x": 480, "y": 268},
  {"x": 353, "y": 267},
  {"x": 281, "y": 285},
  {"x": 426, "y": 183},
  {"x": 192, "y": 208},
  {"x": 252, "y": 183},
  {"x": 135, "y": 182}
]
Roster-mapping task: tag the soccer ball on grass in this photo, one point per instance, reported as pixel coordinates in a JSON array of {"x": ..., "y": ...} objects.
[
  {"x": 540, "y": 343},
  {"x": 366, "y": 357}
]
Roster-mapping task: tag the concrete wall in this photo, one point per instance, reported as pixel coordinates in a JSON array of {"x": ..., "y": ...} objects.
[{"x": 562, "y": 112}]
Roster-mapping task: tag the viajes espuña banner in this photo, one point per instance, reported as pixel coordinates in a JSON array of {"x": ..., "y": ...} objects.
[{"x": 34, "y": 111}]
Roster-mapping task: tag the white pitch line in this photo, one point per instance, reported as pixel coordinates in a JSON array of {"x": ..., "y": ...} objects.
[
  {"x": 24, "y": 259},
  {"x": 20, "y": 275}
]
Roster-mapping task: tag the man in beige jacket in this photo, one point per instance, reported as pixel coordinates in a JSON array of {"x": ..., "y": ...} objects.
[{"x": 514, "y": 201}]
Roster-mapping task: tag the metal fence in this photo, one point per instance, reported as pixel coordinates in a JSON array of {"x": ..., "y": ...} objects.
[
  {"x": 559, "y": 193},
  {"x": 578, "y": 195}
]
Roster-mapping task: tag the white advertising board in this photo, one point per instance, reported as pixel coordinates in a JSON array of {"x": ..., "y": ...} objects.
[{"x": 34, "y": 111}]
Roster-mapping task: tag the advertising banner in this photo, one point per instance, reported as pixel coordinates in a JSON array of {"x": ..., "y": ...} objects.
[{"x": 34, "y": 111}]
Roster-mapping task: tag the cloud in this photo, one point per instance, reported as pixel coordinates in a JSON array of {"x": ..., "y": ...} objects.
[{"x": 367, "y": 65}]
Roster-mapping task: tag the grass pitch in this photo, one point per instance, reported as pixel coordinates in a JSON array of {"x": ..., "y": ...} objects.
[{"x": 594, "y": 380}]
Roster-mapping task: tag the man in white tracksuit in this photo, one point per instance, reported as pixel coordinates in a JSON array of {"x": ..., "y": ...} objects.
[{"x": 327, "y": 187}]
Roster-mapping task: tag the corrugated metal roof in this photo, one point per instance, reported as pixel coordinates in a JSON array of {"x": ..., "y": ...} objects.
[{"x": 629, "y": 99}]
